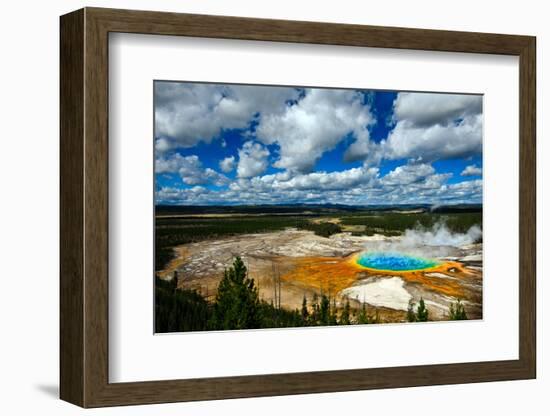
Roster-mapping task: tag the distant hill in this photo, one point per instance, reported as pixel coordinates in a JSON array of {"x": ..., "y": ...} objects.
[
  {"x": 313, "y": 208},
  {"x": 454, "y": 209}
]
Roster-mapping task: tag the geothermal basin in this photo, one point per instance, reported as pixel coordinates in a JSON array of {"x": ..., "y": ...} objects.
[{"x": 378, "y": 271}]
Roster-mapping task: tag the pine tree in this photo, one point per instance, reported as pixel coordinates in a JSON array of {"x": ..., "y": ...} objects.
[
  {"x": 345, "y": 315},
  {"x": 363, "y": 317},
  {"x": 174, "y": 280},
  {"x": 237, "y": 304},
  {"x": 457, "y": 312},
  {"x": 304, "y": 312},
  {"x": 314, "y": 317},
  {"x": 332, "y": 318},
  {"x": 422, "y": 312},
  {"x": 411, "y": 316},
  {"x": 324, "y": 311}
]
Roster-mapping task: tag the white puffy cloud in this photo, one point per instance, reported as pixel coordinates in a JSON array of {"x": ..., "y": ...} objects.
[
  {"x": 411, "y": 183},
  {"x": 190, "y": 170},
  {"x": 309, "y": 122},
  {"x": 322, "y": 181},
  {"x": 252, "y": 160},
  {"x": 194, "y": 196},
  {"x": 162, "y": 146},
  {"x": 426, "y": 109},
  {"x": 303, "y": 125},
  {"x": 283, "y": 183},
  {"x": 314, "y": 125},
  {"x": 191, "y": 196},
  {"x": 211, "y": 176},
  {"x": 227, "y": 164},
  {"x": 408, "y": 174},
  {"x": 351, "y": 187},
  {"x": 430, "y": 127},
  {"x": 174, "y": 162},
  {"x": 363, "y": 149},
  {"x": 408, "y": 183},
  {"x": 471, "y": 170},
  {"x": 187, "y": 113},
  {"x": 465, "y": 190},
  {"x": 435, "y": 142}
]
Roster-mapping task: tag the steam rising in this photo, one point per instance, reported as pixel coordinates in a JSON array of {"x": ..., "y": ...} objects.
[
  {"x": 437, "y": 241},
  {"x": 440, "y": 235}
]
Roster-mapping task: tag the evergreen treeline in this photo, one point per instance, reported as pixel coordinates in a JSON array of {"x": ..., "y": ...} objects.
[
  {"x": 456, "y": 312},
  {"x": 395, "y": 223},
  {"x": 238, "y": 306},
  {"x": 179, "y": 310},
  {"x": 323, "y": 229}
]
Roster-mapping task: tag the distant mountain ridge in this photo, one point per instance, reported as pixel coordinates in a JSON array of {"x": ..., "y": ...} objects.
[{"x": 317, "y": 208}]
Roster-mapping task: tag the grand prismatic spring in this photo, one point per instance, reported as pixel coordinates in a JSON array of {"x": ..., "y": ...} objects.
[
  {"x": 396, "y": 262},
  {"x": 334, "y": 274}
]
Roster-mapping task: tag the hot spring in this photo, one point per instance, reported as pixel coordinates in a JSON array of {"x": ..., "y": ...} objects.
[{"x": 397, "y": 262}]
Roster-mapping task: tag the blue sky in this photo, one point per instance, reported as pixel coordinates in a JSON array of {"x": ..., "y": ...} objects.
[{"x": 240, "y": 144}]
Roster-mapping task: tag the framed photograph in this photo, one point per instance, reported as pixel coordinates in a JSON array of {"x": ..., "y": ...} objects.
[{"x": 255, "y": 207}]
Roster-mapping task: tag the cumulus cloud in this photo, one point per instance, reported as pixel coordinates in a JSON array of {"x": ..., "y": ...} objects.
[
  {"x": 409, "y": 183},
  {"x": 313, "y": 125},
  {"x": 306, "y": 123},
  {"x": 431, "y": 127},
  {"x": 187, "y": 113},
  {"x": 293, "y": 128},
  {"x": 408, "y": 174},
  {"x": 216, "y": 178},
  {"x": 252, "y": 160},
  {"x": 322, "y": 181},
  {"x": 202, "y": 195},
  {"x": 426, "y": 127},
  {"x": 463, "y": 190},
  {"x": 471, "y": 170},
  {"x": 190, "y": 170},
  {"x": 333, "y": 180},
  {"x": 176, "y": 161},
  {"x": 162, "y": 146},
  {"x": 363, "y": 149},
  {"x": 227, "y": 164},
  {"x": 436, "y": 142},
  {"x": 272, "y": 189},
  {"x": 425, "y": 109}
]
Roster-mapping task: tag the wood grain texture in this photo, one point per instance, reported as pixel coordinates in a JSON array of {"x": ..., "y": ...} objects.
[
  {"x": 71, "y": 213},
  {"x": 225, "y": 27},
  {"x": 84, "y": 207},
  {"x": 527, "y": 208},
  {"x": 96, "y": 208}
]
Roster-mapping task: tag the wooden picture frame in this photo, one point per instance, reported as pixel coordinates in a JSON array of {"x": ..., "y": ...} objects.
[{"x": 84, "y": 207}]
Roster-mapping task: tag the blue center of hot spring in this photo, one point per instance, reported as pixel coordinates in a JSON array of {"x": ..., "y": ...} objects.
[{"x": 394, "y": 261}]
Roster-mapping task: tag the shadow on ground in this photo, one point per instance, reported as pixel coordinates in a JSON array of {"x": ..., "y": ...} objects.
[{"x": 51, "y": 390}]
